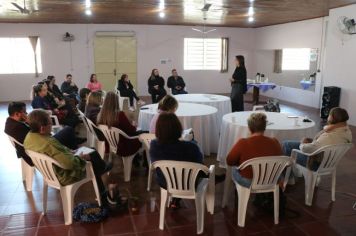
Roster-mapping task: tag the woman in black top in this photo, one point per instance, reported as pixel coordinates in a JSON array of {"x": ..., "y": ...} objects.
[
  {"x": 239, "y": 85},
  {"x": 156, "y": 86},
  {"x": 126, "y": 90}
]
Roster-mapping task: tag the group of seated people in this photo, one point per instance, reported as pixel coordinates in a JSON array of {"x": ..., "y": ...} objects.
[
  {"x": 156, "y": 85},
  {"x": 34, "y": 131}
]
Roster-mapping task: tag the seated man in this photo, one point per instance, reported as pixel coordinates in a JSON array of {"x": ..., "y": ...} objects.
[
  {"x": 335, "y": 132},
  {"x": 17, "y": 128},
  {"x": 176, "y": 83},
  {"x": 257, "y": 145},
  {"x": 69, "y": 88},
  {"x": 39, "y": 139}
]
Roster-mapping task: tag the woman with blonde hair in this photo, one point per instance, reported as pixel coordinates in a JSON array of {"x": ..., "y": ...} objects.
[
  {"x": 167, "y": 104},
  {"x": 92, "y": 107},
  {"x": 111, "y": 116}
]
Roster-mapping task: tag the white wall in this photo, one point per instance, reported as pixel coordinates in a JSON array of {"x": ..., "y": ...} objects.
[
  {"x": 341, "y": 60},
  {"x": 302, "y": 34},
  {"x": 154, "y": 43}
]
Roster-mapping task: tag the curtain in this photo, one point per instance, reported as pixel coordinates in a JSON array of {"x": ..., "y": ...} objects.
[
  {"x": 278, "y": 54},
  {"x": 33, "y": 41},
  {"x": 224, "y": 55}
]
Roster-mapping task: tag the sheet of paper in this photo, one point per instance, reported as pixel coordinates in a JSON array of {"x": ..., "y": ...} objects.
[{"x": 84, "y": 150}]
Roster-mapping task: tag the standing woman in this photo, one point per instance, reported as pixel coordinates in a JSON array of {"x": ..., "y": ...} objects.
[
  {"x": 94, "y": 85},
  {"x": 238, "y": 84}
]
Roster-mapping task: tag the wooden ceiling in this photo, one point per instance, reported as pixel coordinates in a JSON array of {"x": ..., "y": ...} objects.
[{"x": 233, "y": 13}]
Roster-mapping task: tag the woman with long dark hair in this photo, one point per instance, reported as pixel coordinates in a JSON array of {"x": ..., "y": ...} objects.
[
  {"x": 238, "y": 84},
  {"x": 156, "y": 86},
  {"x": 126, "y": 90}
]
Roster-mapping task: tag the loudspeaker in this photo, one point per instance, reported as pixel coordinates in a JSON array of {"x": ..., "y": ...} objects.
[{"x": 330, "y": 99}]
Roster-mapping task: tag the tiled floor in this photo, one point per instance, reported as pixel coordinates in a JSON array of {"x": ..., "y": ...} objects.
[{"x": 20, "y": 211}]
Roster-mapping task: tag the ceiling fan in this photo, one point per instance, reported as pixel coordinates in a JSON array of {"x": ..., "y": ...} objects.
[
  {"x": 205, "y": 9},
  {"x": 23, "y": 9}
]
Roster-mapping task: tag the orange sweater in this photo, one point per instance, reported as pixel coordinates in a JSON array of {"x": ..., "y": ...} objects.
[{"x": 248, "y": 148}]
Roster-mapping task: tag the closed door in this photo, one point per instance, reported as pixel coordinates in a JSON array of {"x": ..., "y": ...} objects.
[{"x": 113, "y": 57}]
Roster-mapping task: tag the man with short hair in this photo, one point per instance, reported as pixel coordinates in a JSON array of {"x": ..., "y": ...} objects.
[
  {"x": 176, "y": 83},
  {"x": 39, "y": 139},
  {"x": 68, "y": 87}
]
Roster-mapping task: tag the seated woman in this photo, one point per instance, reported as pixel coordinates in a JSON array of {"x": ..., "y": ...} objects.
[
  {"x": 92, "y": 107},
  {"x": 156, "y": 86},
  {"x": 126, "y": 90},
  {"x": 167, "y": 104},
  {"x": 94, "y": 85},
  {"x": 335, "y": 132},
  {"x": 41, "y": 100},
  {"x": 257, "y": 145},
  {"x": 168, "y": 146},
  {"x": 111, "y": 116},
  {"x": 53, "y": 88}
]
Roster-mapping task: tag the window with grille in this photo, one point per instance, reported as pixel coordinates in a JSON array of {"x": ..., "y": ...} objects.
[
  {"x": 203, "y": 54},
  {"x": 18, "y": 57},
  {"x": 296, "y": 59}
]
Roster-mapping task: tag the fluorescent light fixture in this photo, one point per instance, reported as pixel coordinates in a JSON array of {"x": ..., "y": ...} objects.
[
  {"x": 162, "y": 14},
  {"x": 161, "y": 5},
  {"x": 88, "y": 12},
  {"x": 252, "y": 0},
  {"x": 250, "y": 11},
  {"x": 251, "y": 19}
]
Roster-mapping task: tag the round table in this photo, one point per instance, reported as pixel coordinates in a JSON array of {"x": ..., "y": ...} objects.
[
  {"x": 222, "y": 103},
  {"x": 234, "y": 127},
  {"x": 201, "y": 118}
]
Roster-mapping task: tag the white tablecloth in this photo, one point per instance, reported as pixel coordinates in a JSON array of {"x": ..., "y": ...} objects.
[
  {"x": 222, "y": 103},
  {"x": 279, "y": 126},
  {"x": 202, "y": 118}
]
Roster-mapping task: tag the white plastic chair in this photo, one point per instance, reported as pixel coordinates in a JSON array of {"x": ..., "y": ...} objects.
[
  {"x": 180, "y": 178},
  {"x": 123, "y": 99},
  {"x": 332, "y": 155},
  {"x": 266, "y": 172},
  {"x": 258, "y": 108},
  {"x": 146, "y": 140},
  {"x": 27, "y": 170},
  {"x": 112, "y": 136},
  {"x": 55, "y": 124},
  {"x": 44, "y": 164},
  {"x": 92, "y": 137}
]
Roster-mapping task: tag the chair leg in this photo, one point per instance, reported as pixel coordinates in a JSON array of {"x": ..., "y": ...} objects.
[
  {"x": 149, "y": 181},
  {"x": 44, "y": 200},
  {"x": 200, "y": 209},
  {"x": 276, "y": 205},
  {"x": 227, "y": 187},
  {"x": 28, "y": 171},
  {"x": 164, "y": 195},
  {"x": 67, "y": 195},
  {"x": 310, "y": 180},
  {"x": 210, "y": 199},
  {"x": 127, "y": 161},
  {"x": 333, "y": 184},
  {"x": 23, "y": 169},
  {"x": 243, "y": 197},
  {"x": 96, "y": 189}
]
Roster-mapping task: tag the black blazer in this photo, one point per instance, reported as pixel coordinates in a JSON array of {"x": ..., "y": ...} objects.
[
  {"x": 122, "y": 86},
  {"x": 156, "y": 80},
  {"x": 240, "y": 77},
  {"x": 173, "y": 83}
]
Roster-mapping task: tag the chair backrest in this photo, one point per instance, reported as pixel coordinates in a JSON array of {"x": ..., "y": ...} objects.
[
  {"x": 331, "y": 155},
  {"x": 14, "y": 142},
  {"x": 44, "y": 164},
  {"x": 112, "y": 136},
  {"x": 180, "y": 176},
  {"x": 266, "y": 171}
]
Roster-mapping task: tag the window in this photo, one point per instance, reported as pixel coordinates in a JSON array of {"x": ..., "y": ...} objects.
[
  {"x": 17, "y": 56},
  {"x": 202, "y": 53},
  {"x": 296, "y": 59}
]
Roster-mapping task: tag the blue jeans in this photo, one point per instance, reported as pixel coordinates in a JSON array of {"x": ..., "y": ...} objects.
[
  {"x": 245, "y": 182},
  {"x": 289, "y": 145}
]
